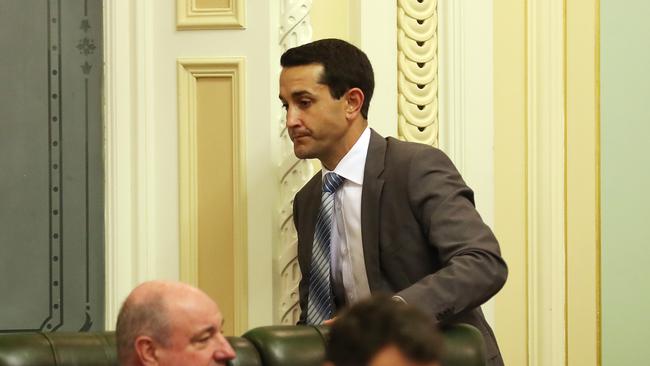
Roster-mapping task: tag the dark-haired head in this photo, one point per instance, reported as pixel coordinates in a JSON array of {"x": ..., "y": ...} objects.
[
  {"x": 379, "y": 325},
  {"x": 344, "y": 67}
]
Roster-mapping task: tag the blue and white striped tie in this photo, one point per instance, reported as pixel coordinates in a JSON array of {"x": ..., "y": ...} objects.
[{"x": 320, "y": 301}]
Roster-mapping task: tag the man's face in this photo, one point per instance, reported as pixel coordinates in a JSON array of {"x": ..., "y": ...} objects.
[
  {"x": 392, "y": 356},
  {"x": 196, "y": 337},
  {"x": 316, "y": 122}
]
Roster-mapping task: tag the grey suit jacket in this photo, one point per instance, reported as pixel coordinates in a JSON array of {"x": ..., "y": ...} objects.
[{"x": 422, "y": 236}]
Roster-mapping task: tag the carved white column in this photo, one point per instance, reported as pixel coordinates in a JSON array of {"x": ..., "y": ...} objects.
[
  {"x": 417, "y": 44},
  {"x": 293, "y": 173}
]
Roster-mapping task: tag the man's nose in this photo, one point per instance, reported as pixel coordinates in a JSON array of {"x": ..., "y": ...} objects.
[
  {"x": 224, "y": 351},
  {"x": 291, "y": 118}
]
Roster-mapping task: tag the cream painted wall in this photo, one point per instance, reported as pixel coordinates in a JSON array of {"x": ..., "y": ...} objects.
[
  {"x": 372, "y": 28},
  {"x": 142, "y": 142},
  {"x": 545, "y": 180},
  {"x": 465, "y": 58},
  {"x": 261, "y": 190},
  {"x": 331, "y": 19},
  {"x": 510, "y": 175},
  {"x": 465, "y": 50},
  {"x": 370, "y": 25},
  {"x": 625, "y": 178}
]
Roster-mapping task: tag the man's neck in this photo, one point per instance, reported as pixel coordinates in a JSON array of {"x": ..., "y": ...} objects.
[{"x": 346, "y": 144}]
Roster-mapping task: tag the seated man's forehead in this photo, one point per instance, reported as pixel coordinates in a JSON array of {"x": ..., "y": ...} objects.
[{"x": 392, "y": 356}]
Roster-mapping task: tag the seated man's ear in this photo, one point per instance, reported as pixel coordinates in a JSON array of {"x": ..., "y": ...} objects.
[{"x": 145, "y": 349}]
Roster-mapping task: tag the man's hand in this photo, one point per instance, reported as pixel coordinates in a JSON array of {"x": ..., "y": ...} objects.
[{"x": 329, "y": 321}]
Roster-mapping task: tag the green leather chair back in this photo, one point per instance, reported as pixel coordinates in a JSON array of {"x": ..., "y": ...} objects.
[
  {"x": 245, "y": 351},
  {"x": 288, "y": 345},
  {"x": 84, "y": 349},
  {"x": 464, "y": 346},
  {"x": 69, "y": 349},
  {"x": 279, "y": 345}
]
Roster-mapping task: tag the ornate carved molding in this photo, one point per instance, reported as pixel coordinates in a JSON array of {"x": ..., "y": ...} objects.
[
  {"x": 190, "y": 16},
  {"x": 295, "y": 29},
  {"x": 417, "y": 45}
]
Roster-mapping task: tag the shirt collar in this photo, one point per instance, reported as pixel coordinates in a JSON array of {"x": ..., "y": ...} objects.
[{"x": 353, "y": 164}]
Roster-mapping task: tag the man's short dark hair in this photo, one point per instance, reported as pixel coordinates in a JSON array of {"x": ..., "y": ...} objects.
[
  {"x": 369, "y": 326},
  {"x": 344, "y": 67}
]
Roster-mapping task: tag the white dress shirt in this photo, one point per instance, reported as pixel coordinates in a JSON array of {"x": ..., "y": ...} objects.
[{"x": 347, "y": 263}]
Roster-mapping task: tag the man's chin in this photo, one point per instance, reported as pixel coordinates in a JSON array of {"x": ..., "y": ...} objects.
[{"x": 301, "y": 152}]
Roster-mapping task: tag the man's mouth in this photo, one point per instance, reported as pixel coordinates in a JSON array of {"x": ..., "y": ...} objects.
[{"x": 297, "y": 136}]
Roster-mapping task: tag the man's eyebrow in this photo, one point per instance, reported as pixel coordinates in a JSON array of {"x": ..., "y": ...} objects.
[
  {"x": 300, "y": 93},
  {"x": 297, "y": 94},
  {"x": 209, "y": 330}
]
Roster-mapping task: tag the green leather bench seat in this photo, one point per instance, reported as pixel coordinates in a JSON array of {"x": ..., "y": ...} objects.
[{"x": 278, "y": 345}]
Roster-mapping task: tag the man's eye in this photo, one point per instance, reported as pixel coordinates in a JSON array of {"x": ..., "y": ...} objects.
[
  {"x": 304, "y": 103},
  {"x": 204, "y": 339}
]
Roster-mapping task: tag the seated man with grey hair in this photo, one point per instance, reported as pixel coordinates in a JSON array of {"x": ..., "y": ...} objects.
[
  {"x": 170, "y": 323},
  {"x": 380, "y": 331}
]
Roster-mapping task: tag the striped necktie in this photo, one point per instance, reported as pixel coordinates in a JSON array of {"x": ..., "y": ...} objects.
[{"x": 320, "y": 300}]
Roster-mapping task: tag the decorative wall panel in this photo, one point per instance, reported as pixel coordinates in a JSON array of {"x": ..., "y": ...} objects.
[
  {"x": 295, "y": 29},
  {"x": 417, "y": 44},
  {"x": 212, "y": 183},
  {"x": 51, "y": 185},
  {"x": 210, "y": 14}
]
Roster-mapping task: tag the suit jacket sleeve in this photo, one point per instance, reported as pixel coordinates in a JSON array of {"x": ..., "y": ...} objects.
[{"x": 471, "y": 268}]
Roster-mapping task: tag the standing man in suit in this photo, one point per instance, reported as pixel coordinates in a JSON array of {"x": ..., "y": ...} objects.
[{"x": 383, "y": 215}]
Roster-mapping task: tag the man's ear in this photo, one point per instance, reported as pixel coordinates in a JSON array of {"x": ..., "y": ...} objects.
[
  {"x": 145, "y": 348},
  {"x": 354, "y": 98}
]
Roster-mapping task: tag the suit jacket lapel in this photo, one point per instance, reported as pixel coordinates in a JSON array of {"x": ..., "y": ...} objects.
[
  {"x": 308, "y": 221},
  {"x": 370, "y": 196}
]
